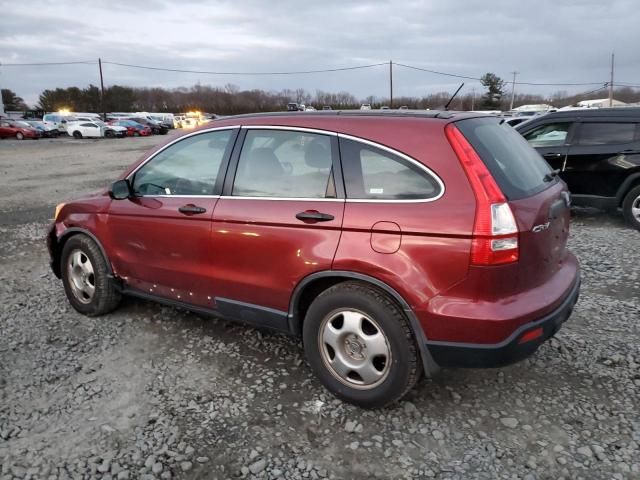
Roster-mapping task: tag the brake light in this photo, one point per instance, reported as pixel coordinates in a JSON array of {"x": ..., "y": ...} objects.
[{"x": 495, "y": 232}]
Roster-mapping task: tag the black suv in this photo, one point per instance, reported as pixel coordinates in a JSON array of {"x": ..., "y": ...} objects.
[{"x": 597, "y": 153}]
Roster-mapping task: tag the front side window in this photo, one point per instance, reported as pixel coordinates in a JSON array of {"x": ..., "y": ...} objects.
[
  {"x": 373, "y": 173},
  {"x": 606, "y": 133},
  {"x": 188, "y": 167},
  {"x": 285, "y": 164},
  {"x": 549, "y": 135}
]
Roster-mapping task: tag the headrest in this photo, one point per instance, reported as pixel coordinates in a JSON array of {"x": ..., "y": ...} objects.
[{"x": 317, "y": 155}]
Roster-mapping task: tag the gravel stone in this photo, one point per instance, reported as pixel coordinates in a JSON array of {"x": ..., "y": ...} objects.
[
  {"x": 509, "y": 422},
  {"x": 258, "y": 466}
]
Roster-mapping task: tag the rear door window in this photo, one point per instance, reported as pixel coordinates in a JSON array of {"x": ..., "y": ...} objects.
[
  {"x": 594, "y": 133},
  {"x": 371, "y": 173},
  {"x": 517, "y": 168}
]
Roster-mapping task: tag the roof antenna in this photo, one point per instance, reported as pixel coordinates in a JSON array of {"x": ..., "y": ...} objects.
[{"x": 446, "y": 107}]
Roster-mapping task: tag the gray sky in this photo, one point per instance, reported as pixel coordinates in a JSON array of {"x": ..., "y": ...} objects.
[{"x": 547, "y": 41}]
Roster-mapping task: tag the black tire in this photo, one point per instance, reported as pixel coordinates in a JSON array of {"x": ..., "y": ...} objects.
[
  {"x": 630, "y": 203},
  {"x": 106, "y": 296},
  {"x": 405, "y": 367},
  {"x": 136, "y": 134},
  {"x": 109, "y": 134},
  {"x": 77, "y": 135}
]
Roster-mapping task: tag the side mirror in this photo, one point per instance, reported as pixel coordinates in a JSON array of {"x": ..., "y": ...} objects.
[
  {"x": 120, "y": 190},
  {"x": 63, "y": 121}
]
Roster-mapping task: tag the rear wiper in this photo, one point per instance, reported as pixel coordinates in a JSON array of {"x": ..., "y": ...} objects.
[{"x": 551, "y": 175}]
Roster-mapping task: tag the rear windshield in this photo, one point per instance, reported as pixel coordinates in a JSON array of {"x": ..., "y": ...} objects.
[{"x": 517, "y": 168}]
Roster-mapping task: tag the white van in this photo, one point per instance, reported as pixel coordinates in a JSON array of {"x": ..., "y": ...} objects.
[{"x": 55, "y": 120}]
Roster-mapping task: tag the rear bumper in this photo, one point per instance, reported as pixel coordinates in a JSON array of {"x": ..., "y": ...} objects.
[{"x": 470, "y": 355}]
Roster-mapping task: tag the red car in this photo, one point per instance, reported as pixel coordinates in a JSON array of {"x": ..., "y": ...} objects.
[
  {"x": 17, "y": 129},
  {"x": 393, "y": 243},
  {"x": 134, "y": 129}
]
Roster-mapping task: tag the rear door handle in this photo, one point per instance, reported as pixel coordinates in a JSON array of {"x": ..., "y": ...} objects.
[
  {"x": 630, "y": 151},
  {"x": 552, "y": 155},
  {"x": 191, "y": 209},
  {"x": 312, "y": 215}
]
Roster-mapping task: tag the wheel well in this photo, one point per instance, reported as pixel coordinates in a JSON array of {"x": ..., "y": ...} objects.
[
  {"x": 315, "y": 287},
  {"x": 60, "y": 243},
  {"x": 632, "y": 182},
  {"x": 309, "y": 292}
]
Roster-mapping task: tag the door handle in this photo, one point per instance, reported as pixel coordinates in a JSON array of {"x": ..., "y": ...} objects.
[
  {"x": 314, "y": 216},
  {"x": 629, "y": 151},
  {"x": 191, "y": 209},
  {"x": 552, "y": 155}
]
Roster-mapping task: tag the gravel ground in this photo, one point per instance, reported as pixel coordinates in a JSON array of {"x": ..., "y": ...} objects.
[{"x": 154, "y": 392}]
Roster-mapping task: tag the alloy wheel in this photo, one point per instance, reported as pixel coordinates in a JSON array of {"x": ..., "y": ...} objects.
[{"x": 81, "y": 276}]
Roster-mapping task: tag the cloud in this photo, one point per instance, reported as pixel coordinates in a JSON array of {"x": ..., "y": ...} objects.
[{"x": 546, "y": 41}]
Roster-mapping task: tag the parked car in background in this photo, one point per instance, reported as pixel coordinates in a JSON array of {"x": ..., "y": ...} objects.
[
  {"x": 156, "y": 128},
  {"x": 45, "y": 130},
  {"x": 365, "y": 106},
  {"x": 133, "y": 129},
  {"x": 596, "y": 152},
  {"x": 292, "y": 107},
  {"x": 326, "y": 107},
  {"x": 56, "y": 120},
  {"x": 393, "y": 244},
  {"x": 166, "y": 119},
  {"x": 513, "y": 121},
  {"x": 179, "y": 119},
  {"x": 17, "y": 129},
  {"x": 403, "y": 107},
  {"x": 85, "y": 129}
]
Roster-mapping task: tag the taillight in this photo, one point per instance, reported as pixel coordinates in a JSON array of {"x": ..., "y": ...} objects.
[{"x": 495, "y": 232}]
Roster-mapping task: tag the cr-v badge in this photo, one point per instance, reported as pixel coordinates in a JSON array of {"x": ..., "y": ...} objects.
[{"x": 541, "y": 227}]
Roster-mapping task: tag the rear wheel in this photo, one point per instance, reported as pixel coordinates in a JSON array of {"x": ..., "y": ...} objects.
[
  {"x": 136, "y": 134},
  {"x": 109, "y": 134},
  {"x": 77, "y": 134},
  {"x": 19, "y": 136},
  {"x": 360, "y": 345},
  {"x": 85, "y": 275},
  {"x": 631, "y": 207}
]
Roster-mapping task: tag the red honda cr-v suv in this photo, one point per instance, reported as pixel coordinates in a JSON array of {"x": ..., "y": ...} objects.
[{"x": 394, "y": 243}]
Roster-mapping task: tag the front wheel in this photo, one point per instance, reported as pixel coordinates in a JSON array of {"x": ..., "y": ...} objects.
[
  {"x": 85, "y": 275},
  {"x": 359, "y": 344},
  {"x": 631, "y": 207},
  {"x": 77, "y": 135},
  {"x": 19, "y": 136}
]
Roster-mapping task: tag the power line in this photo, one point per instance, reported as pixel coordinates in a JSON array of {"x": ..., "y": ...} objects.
[
  {"x": 85, "y": 62},
  {"x": 479, "y": 79},
  {"x": 302, "y": 72},
  {"x": 436, "y": 72}
]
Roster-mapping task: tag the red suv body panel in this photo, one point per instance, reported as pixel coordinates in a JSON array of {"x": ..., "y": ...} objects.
[{"x": 251, "y": 258}]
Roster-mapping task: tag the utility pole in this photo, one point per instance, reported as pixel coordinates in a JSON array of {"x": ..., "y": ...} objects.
[
  {"x": 1, "y": 103},
  {"x": 390, "y": 84},
  {"x": 611, "y": 83},
  {"x": 513, "y": 89},
  {"x": 473, "y": 99},
  {"x": 104, "y": 114}
]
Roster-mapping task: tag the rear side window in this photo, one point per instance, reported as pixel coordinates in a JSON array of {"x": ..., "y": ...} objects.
[
  {"x": 606, "y": 133},
  {"x": 549, "y": 135},
  {"x": 371, "y": 173},
  {"x": 517, "y": 168}
]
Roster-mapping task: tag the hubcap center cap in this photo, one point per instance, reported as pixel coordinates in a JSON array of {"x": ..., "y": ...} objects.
[{"x": 355, "y": 347}]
